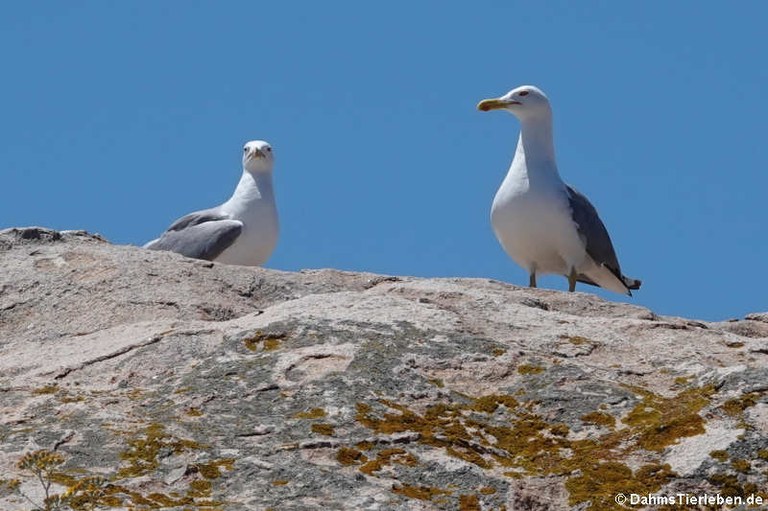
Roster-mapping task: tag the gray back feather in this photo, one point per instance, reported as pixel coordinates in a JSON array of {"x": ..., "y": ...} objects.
[
  {"x": 593, "y": 232},
  {"x": 202, "y": 235},
  {"x": 198, "y": 217}
]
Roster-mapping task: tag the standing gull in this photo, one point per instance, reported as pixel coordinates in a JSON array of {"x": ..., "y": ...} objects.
[
  {"x": 243, "y": 230},
  {"x": 543, "y": 224}
]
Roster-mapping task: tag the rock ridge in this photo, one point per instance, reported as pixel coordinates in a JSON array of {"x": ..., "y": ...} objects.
[{"x": 146, "y": 380}]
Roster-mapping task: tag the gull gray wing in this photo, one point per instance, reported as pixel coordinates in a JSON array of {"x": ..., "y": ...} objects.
[
  {"x": 198, "y": 217},
  {"x": 593, "y": 232},
  {"x": 202, "y": 235}
]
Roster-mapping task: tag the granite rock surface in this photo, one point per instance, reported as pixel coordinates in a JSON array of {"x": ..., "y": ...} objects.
[{"x": 152, "y": 381}]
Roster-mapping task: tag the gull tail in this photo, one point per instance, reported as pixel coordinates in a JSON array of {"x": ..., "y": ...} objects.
[
  {"x": 631, "y": 283},
  {"x": 628, "y": 282},
  {"x": 611, "y": 279}
]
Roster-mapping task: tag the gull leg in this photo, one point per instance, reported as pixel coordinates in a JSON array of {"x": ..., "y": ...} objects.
[
  {"x": 572, "y": 280},
  {"x": 532, "y": 279}
]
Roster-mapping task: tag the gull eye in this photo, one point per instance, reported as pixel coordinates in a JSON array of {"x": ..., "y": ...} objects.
[
  {"x": 269, "y": 149},
  {"x": 523, "y": 93},
  {"x": 245, "y": 149}
]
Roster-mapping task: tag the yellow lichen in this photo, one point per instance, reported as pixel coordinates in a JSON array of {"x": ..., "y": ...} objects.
[
  {"x": 719, "y": 455},
  {"x": 727, "y": 484},
  {"x": 735, "y": 407},
  {"x": 314, "y": 413},
  {"x": 165, "y": 501},
  {"x": 141, "y": 454},
  {"x": 323, "y": 429},
  {"x": 497, "y": 430},
  {"x": 467, "y": 453},
  {"x": 741, "y": 465},
  {"x": 212, "y": 470},
  {"x": 135, "y": 394},
  {"x": 599, "y": 419},
  {"x": 46, "y": 389},
  {"x": 526, "y": 369},
  {"x": 348, "y": 456},
  {"x": 489, "y": 404},
  {"x": 469, "y": 503},
  {"x": 69, "y": 398},
  {"x": 389, "y": 457},
  {"x": 365, "y": 445},
  {"x": 200, "y": 488},
  {"x": 269, "y": 342},
  {"x": 661, "y": 421},
  {"x": 599, "y": 483},
  {"x": 530, "y": 441},
  {"x": 419, "y": 492}
]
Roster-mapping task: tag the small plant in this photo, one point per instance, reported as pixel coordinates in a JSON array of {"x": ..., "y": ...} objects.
[
  {"x": 9, "y": 486},
  {"x": 84, "y": 491},
  {"x": 43, "y": 465}
]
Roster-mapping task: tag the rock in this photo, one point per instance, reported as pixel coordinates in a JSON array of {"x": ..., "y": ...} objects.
[{"x": 188, "y": 384}]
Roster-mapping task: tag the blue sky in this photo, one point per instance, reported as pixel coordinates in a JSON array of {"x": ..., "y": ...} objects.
[{"x": 118, "y": 118}]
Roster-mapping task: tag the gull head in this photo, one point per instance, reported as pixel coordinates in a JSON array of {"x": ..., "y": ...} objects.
[
  {"x": 524, "y": 102},
  {"x": 257, "y": 156}
]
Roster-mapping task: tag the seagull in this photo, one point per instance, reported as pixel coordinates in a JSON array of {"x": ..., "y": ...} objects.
[
  {"x": 543, "y": 224},
  {"x": 243, "y": 230}
]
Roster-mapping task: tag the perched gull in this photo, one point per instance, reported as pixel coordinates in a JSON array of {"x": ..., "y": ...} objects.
[
  {"x": 243, "y": 230},
  {"x": 543, "y": 224}
]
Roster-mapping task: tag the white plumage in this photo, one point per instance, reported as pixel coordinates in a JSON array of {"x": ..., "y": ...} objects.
[
  {"x": 243, "y": 230},
  {"x": 543, "y": 224}
]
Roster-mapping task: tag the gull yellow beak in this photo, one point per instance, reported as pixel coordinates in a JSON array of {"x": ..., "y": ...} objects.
[
  {"x": 257, "y": 153},
  {"x": 494, "y": 104}
]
